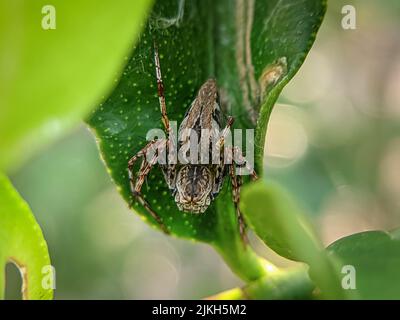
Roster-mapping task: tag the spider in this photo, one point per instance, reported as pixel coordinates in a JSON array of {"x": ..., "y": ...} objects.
[{"x": 193, "y": 186}]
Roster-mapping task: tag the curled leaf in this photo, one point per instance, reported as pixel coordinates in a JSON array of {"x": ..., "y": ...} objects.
[{"x": 22, "y": 243}]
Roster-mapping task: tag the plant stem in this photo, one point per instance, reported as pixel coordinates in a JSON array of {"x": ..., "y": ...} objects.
[
  {"x": 240, "y": 257},
  {"x": 283, "y": 284},
  {"x": 245, "y": 262}
]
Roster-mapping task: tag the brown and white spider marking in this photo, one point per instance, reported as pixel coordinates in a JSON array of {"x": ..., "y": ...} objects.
[{"x": 193, "y": 186}]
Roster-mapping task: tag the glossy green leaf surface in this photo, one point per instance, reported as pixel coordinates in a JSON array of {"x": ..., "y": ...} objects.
[
  {"x": 252, "y": 49},
  {"x": 22, "y": 243}
]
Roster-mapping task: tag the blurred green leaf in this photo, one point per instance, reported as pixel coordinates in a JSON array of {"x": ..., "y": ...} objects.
[
  {"x": 375, "y": 256},
  {"x": 22, "y": 243},
  {"x": 281, "y": 285},
  {"x": 50, "y": 79},
  {"x": 252, "y": 48},
  {"x": 279, "y": 222}
]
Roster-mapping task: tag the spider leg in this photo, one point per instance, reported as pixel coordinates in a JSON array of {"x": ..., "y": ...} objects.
[
  {"x": 236, "y": 183},
  {"x": 143, "y": 172},
  {"x": 169, "y": 169},
  {"x": 155, "y": 216},
  {"x": 225, "y": 133},
  {"x": 238, "y": 156},
  {"x": 160, "y": 90},
  {"x": 136, "y": 184},
  {"x": 220, "y": 167},
  {"x": 141, "y": 153}
]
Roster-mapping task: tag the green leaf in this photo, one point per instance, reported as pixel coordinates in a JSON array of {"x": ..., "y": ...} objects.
[
  {"x": 252, "y": 49},
  {"x": 22, "y": 243},
  {"x": 50, "y": 79},
  {"x": 279, "y": 222},
  {"x": 282, "y": 285},
  {"x": 375, "y": 256}
]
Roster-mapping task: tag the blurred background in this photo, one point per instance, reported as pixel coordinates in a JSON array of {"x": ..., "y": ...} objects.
[{"x": 333, "y": 141}]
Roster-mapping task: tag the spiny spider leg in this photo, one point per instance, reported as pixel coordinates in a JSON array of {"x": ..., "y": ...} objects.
[
  {"x": 225, "y": 133},
  {"x": 144, "y": 170},
  {"x": 235, "y": 179},
  {"x": 236, "y": 152},
  {"x": 238, "y": 156},
  {"x": 220, "y": 172},
  {"x": 160, "y": 91},
  {"x": 236, "y": 183},
  {"x": 141, "y": 153},
  {"x": 168, "y": 169},
  {"x": 234, "y": 155},
  {"x": 155, "y": 216}
]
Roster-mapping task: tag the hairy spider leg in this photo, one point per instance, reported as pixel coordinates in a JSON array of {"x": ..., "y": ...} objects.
[
  {"x": 235, "y": 154},
  {"x": 145, "y": 167},
  {"x": 169, "y": 169},
  {"x": 160, "y": 91},
  {"x": 238, "y": 156},
  {"x": 236, "y": 183},
  {"x": 141, "y": 153},
  {"x": 235, "y": 180},
  {"x": 225, "y": 133}
]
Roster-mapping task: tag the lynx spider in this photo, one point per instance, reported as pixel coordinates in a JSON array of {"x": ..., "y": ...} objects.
[{"x": 193, "y": 186}]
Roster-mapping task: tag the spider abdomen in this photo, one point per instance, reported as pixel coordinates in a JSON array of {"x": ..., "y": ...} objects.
[{"x": 194, "y": 188}]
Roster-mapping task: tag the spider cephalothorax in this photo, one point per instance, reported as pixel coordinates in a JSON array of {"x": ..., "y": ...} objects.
[{"x": 193, "y": 184}]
